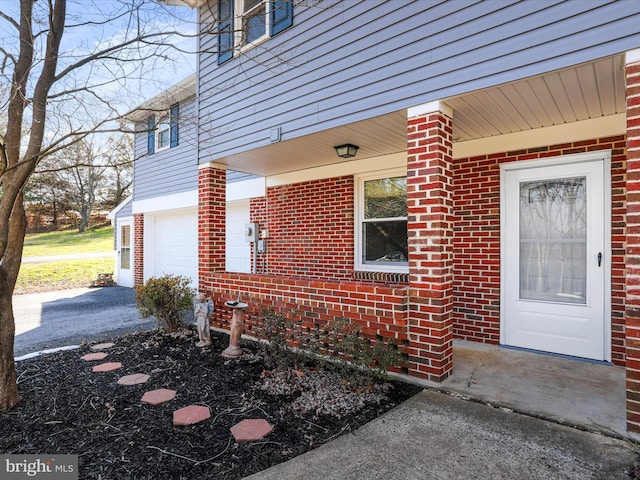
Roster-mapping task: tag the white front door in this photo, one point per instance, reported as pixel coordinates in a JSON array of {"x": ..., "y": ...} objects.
[
  {"x": 125, "y": 254},
  {"x": 555, "y": 256}
]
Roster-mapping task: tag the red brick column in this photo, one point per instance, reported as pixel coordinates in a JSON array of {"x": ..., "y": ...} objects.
[
  {"x": 632, "y": 301},
  {"x": 138, "y": 249},
  {"x": 430, "y": 230},
  {"x": 212, "y": 181}
]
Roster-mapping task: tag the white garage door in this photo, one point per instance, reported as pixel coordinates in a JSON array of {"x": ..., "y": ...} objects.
[
  {"x": 238, "y": 258},
  {"x": 175, "y": 244}
]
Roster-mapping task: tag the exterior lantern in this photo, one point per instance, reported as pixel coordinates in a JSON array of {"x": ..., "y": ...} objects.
[{"x": 347, "y": 150}]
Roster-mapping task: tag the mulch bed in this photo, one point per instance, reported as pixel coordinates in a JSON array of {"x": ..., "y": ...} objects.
[{"x": 66, "y": 408}]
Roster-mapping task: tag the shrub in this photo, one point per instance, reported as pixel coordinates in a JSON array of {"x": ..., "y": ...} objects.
[
  {"x": 350, "y": 352},
  {"x": 371, "y": 361},
  {"x": 277, "y": 330},
  {"x": 167, "y": 298}
]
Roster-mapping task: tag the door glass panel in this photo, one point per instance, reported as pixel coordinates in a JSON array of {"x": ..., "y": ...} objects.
[
  {"x": 125, "y": 247},
  {"x": 553, "y": 239}
]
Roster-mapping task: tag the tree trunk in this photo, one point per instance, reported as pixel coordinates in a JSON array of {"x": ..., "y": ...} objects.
[
  {"x": 9, "y": 395},
  {"x": 9, "y": 268}
]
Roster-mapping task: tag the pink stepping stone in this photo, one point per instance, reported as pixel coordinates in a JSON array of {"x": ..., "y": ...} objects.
[
  {"x": 190, "y": 415},
  {"x": 251, "y": 430},
  {"x": 156, "y": 397},
  {"x": 102, "y": 346},
  {"x": 92, "y": 357},
  {"x": 134, "y": 379},
  {"x": 107, "y": 367}
]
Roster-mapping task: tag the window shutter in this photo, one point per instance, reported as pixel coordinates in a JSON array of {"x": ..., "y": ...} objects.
[
  {"x": 225, "y": 30},
  {"x": 281, "y": 15},
  {"x": 151, "y": 135},
  {"x": 173, "y": 125}
]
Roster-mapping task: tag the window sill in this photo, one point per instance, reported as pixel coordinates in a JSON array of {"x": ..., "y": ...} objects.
[{"x": 248, "y": 46}]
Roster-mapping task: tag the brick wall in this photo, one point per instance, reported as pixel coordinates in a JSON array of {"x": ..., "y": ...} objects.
[
  {"x": 430, "y": 242},
  {"x": 378, "y": 309},
  {"x": 477, "y": 238},
  {"x": 138, "y": 249},
  {"x": 632, "y": 313},
  {"x": 211, "y": 223},
  {"x": 308, "y": 270},
  {"x": 311, "y": 230}
]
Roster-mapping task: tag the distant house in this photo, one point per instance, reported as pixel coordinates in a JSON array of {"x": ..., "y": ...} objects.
[{"x": 492, "y": 195}]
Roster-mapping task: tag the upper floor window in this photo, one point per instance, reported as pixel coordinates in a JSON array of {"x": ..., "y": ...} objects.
[
  {"x": 243, "y": 23},
  {"x": 255, "y": 21},
  {"x": 381, "y": 222},
  {"x": 163, "y": 133}
]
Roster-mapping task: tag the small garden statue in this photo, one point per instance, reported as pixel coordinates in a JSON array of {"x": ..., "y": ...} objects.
[{"x": 203, "y": 309}]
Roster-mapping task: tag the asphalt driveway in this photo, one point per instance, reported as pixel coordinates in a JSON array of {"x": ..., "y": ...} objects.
[{"x": 69, "y": 317}]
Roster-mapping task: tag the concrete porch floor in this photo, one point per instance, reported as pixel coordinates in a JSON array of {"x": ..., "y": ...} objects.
[{"x": 583, "y": 394}]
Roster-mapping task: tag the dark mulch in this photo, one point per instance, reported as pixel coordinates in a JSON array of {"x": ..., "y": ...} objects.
[{"x": 66, "y": 408}]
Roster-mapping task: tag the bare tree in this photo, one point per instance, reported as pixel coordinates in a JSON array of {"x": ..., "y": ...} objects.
[
  {"x": 80, "y": 172},
  {"x": 58, "y": 95},
  {"x": 44, "y": 198},
  {"x": 81, "y": 179},
  {"x": 118, "y": 157}
]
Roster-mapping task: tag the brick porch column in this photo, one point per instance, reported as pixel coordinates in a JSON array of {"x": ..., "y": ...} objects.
[
  {"x": 138, "y": 249},
  {"x": 212, "y": 195},
  {"x": 632, "y": 261},
  {"x": 430, "y": 231}
]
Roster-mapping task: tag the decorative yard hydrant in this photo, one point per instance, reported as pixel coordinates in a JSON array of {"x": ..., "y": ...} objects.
[
  {"x": 237, "y": 325},
  {"x": 203, "y": 309}
]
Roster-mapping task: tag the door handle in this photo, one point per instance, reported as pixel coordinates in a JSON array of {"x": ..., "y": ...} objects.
[{"x": 599, "y": 258}]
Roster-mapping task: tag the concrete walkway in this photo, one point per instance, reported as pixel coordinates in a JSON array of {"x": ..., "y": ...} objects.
[
  {"x": 578, "y": 393},
  {"x": 435, "y": 436},
  {"x": 446, "y": 436}
]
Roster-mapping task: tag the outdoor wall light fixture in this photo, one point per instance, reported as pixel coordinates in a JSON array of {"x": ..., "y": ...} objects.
[{"x": 347, "y": 150}]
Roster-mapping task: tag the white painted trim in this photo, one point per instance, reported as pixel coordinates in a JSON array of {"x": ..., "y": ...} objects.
[
  {"x": 558, "y": 134},
  {"x": 604, "y": 155},
  {"x": 218, "y": 166},
  {"x": 395, "y": 160},
  {"x": 425, "y": 108},
  {"x": 256, "y": 187},
  {"x": 358, "y": 215},
  {"x": 125, "y": 282},
  {"x": 166, "y": 202},
  {"x": 177, "y": 93},
  {"x": 112, "y": 214},
  {"x": 558, "y": 160},
  {"x": 633, "y": 56}
]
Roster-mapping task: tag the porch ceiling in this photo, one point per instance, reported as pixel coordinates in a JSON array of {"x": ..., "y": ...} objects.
[{"x": 583, "y": 92}]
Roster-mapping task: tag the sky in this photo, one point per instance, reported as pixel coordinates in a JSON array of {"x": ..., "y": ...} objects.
[{"x": 124, "y": 84}]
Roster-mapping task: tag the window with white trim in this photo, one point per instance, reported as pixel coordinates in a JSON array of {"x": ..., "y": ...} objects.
[
  {"x": 381, "y": 222},
  {"x": 245, "y": 23},
  {"x": 163, "y": 134},
  {"x": 253, "y": 22}
]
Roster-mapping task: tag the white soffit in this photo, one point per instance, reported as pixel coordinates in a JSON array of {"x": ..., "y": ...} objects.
[{"x": 557, "y": 134}]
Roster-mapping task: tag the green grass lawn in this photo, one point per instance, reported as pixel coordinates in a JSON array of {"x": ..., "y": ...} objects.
[
  {"x": 68, "y": 241},
  {"x": 63, "y": 274}
]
